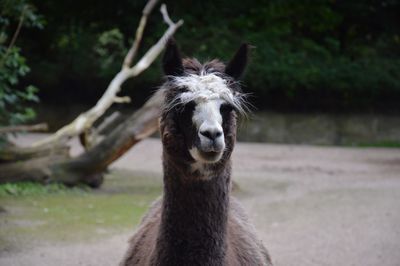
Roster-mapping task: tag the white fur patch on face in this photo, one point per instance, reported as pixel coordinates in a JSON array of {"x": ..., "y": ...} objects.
[
  {"x": 208, "y": 114},
  {"x": 195, "y": 154},
  {"x": 201, "y": 88}
]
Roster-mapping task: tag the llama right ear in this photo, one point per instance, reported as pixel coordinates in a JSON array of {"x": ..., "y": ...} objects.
[
  {"x": 238, "y": 63},
  {"x": 172, "y": 60}
]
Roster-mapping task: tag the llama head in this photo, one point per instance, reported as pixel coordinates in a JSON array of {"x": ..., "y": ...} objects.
[{"x": 199, "y": 118}]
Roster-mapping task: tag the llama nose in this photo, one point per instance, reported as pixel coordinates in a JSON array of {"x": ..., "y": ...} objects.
[{"x": 211, "y": 134}]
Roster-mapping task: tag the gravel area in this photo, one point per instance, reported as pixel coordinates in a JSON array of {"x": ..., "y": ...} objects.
[{"x": 311, "y": 206}]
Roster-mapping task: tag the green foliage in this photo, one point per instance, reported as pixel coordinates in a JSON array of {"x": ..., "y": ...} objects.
[
  {"x": 309, "y": 54},
  {"x": 12, "y": 10},
  {"x": 12, "y": 108},
  {"x": 110, "y": 50},
  {"x": 13, "y": 66}
]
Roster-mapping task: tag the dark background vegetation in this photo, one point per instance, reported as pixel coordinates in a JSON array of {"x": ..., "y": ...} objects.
[{"x": 320, "y": 55}]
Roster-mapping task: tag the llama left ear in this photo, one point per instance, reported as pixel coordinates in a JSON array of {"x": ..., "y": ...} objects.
[
  {"x": 237, "y": 65},
  {"x": 172, "y": 60}
]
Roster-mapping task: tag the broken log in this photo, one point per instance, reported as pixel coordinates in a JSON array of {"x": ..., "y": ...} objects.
[
  {"x": 22, "y": 128},
  {"x": 88, "y": 167}
]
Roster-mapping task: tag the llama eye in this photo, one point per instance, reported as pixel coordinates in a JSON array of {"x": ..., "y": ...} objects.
[
  {"x": 188, "y": 107},
  {"x": 226, "y": 108}
]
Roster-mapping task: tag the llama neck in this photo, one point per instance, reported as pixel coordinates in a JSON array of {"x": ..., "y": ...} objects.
[{"x": 194, "y": 217}]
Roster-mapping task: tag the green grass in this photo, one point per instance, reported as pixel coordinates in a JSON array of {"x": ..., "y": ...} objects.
[
  {"x": 380, "y": 144},
  {"x": 32, "y": 212},
  {"x": 32, "y": 189}
]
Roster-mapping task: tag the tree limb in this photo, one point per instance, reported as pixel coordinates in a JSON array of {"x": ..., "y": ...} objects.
[
  {"x": 20, "y": 128},
  {"x": 139, "y": 33},
  {"x": 55, "y": 166},
  {"x": 165, "y": 15},
  {"x": 156, "y": 49},
  {"x": 49, "y": 160},
  {"x": 107, "y": 122},
  {"x": 15, "y": 35},
  {"x": 85, "y": 120}
]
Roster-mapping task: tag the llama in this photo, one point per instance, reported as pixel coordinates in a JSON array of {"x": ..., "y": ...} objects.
[{"x": 197, "y": 222}]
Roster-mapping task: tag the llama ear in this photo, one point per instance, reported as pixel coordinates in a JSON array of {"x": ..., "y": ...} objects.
[
  {"x": 172, "y": 60},
  {"x": 237, "y": 65}
]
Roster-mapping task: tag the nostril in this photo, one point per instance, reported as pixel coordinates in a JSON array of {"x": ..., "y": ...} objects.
[
  {"x": 211, "y": 134},
  {"x": 206, "y": 134}
]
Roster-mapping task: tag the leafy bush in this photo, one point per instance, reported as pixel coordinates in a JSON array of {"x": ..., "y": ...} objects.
[
  {"x": 13, "y": 66},
  {"x": 110, "y": 50}
]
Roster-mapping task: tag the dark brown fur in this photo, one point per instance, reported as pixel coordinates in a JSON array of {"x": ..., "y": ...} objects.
[{"x": 196, "y": 222}]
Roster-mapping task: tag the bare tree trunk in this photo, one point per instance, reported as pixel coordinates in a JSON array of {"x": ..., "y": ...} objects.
[
  {"x": 89, "y": 166},
  {"x": 55, "y": 165},
  {"x": 13, "y": 153},
  {"x": 48, "y": 160},
  {"x": 19, "y": 128},
  {"x": 86, "y": 120}
]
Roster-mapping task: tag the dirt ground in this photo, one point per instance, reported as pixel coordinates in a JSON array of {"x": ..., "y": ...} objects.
[{"x": 311, "y": 206}]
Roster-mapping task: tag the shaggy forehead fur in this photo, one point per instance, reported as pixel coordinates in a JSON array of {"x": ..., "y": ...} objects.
[
  {"x": 205, "y": 82},
  {"x": 204, "y": 87}
]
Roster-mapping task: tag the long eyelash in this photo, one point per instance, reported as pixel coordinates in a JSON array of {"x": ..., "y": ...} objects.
[{"x": 242, "y": 105}]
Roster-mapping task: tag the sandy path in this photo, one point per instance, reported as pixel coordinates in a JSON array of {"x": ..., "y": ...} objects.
[{"x": 311, "y": 206}]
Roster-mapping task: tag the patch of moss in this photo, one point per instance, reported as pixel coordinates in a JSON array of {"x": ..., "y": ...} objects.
[
  {"x": 35, "y": 213},
  {"x": 31, "y": 189}
]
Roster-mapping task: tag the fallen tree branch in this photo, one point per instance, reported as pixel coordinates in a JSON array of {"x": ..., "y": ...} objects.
[
  {"x": 21, "y": 128},
  {"x": 107, "y": 122},
  {"x": 14, "y": 153},
  {"x": 139, "y": 34},
  {"x": 85, "y": 120},
  {"x": 88, "y": 167},
  {"x": 96, "y": 133},
  {"x": 49, "y": 160}
]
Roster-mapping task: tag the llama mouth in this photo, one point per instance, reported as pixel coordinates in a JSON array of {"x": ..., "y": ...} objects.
[
  {"x": 210, "y": 156},
  {"x": 205, "y": 156}
]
